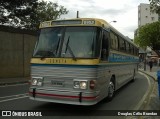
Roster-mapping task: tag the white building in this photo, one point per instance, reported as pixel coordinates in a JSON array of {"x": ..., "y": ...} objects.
[{"x": 145, "y": 15}]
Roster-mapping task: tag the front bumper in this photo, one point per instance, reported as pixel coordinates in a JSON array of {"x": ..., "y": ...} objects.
[{"x": 65, "y": 96}]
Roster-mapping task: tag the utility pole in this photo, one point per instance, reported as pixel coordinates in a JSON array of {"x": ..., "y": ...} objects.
[
  {"x": 77, "y": 14},
  {"x": 145, "y": 61}
]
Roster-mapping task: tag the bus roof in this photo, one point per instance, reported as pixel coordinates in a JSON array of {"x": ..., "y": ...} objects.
[{"x": 74, "y": 22}]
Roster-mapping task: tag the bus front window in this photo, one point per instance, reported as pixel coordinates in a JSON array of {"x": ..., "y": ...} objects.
[
  {"x": 81, "y": 42},
  {"x": 71, "y": 42},
  {"x": 48, "y": 43}
]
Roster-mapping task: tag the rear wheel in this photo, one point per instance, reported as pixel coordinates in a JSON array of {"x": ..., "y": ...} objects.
[{"x": 134, "y": 77}]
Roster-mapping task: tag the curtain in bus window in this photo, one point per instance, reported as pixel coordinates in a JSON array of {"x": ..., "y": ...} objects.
[
  {"x": 122, "y": 44},
  {"x": 131, "y": 49},
  {"x": 127, "y": 47},
  {"x": 105, "y": 46},
  {"x": 114, "y": 41}
]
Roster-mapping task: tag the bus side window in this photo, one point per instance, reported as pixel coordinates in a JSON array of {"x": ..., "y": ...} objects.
[
  {"x": 122, "y": 46},
  {"x": 127, "y": 47},
  {"x": 132, "y": 49},
  {"x": 114, "y": 41},
  {"x": 105, "y": 46}
]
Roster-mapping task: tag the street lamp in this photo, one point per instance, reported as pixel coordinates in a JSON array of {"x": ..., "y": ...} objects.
[{"x": 112, "y": 21}]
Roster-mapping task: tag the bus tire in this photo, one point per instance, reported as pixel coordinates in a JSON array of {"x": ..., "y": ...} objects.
[
  {"x": 111, "y": 90},
  {"x": 134, "y": 77}
]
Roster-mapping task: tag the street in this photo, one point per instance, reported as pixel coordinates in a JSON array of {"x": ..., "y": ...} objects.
[{"x": 129, "y": 97}]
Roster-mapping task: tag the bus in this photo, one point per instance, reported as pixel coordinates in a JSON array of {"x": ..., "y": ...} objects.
[{"x": 81, "y": 62}]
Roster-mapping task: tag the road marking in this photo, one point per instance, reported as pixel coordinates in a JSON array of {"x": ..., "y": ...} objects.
[
  {"x": 13, "y": 99},
  {"x": 13, "y": 85},
  {"x": 14, "y": 96},
  {"x": 145, "y": 95},
  {"x": 137, "y": 107}
]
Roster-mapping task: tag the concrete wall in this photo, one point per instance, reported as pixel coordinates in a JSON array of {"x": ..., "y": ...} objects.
[{"x": 16, "y": 47}]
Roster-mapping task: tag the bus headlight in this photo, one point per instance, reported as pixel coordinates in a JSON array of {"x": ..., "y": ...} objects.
[
  {"x": 83, "y": 85},
  {"x": 37, "y": 81},
  {"x": 80, "y": 84},
  {"x": 34, "y": 82}
]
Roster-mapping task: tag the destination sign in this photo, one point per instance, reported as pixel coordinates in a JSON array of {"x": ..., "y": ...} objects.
[{"x": 66, "y": 22}]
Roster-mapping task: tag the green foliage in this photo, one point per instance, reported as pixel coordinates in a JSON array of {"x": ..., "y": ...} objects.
[
  {"x": 27, "y": 14},
  {"x": 13, "y": 12},
  {"x": 138, "y": 42},
  {"x": 149, "y": 35},
  {"x": 47, "y": 11},
  {"x": 155, "y": 6}
]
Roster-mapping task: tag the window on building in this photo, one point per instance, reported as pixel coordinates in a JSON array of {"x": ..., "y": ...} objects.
[{"x": 152, "y": 18}]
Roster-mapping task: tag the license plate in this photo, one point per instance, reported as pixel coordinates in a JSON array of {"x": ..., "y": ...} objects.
[{"x": 57, "y": 83}]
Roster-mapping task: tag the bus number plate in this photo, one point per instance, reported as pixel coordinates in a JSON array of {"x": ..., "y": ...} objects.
[{"x": 57, "y": 83}]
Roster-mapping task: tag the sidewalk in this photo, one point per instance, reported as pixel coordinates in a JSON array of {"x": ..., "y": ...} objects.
[
  {"x": 152, "y": 100},
  {"x": 10, "y": 81}
]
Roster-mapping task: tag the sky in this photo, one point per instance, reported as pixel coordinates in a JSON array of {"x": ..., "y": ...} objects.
[{"x": 125, "y": 12}]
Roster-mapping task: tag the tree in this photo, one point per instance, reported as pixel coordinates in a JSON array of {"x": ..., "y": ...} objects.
[
  {"x": 149, "y": 35},
  {"x": 27, "y": 14},
  {"x": 13, "y": 12},
  {"x": 155, "y": 6},
  {"x": 46, "y": 11}
]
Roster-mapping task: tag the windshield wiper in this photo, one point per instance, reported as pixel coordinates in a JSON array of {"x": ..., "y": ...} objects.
[
  {"x": 57, "y": 45},
  {"x": 52, "y": 52},
  {"x": 55, "y": 49},
  {"x": 69, "y": 48}
]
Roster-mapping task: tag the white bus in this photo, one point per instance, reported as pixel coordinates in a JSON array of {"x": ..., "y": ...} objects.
[{"x": 80, "y": 61}]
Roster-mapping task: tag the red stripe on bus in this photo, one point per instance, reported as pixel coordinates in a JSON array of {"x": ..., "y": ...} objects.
[{"x": 64, "y": 96}]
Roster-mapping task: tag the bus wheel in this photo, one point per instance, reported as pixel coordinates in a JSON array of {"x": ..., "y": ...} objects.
[
  {"x": 111, "y": 90},
  {"x": 134, "y": 77}
]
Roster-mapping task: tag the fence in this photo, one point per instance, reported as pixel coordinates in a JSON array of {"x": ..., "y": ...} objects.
[{"x": 16, "y": 47}]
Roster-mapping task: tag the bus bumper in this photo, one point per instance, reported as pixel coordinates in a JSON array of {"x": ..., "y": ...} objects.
[{"x": 65, "y": 97}]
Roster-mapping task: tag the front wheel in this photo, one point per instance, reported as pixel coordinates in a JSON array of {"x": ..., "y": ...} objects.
[{"x": 111, "y": 90}]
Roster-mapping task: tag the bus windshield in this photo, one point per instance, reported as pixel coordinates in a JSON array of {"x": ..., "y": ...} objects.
[{"x": 69, "y": 42}]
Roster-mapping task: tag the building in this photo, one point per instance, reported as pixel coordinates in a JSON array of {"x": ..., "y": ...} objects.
[{"x": 145, "y": 15}]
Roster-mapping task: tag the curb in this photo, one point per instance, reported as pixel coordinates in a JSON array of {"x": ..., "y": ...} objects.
[
  {"x": 149, "y": 75},
  {"x": 12, "y": 83}
]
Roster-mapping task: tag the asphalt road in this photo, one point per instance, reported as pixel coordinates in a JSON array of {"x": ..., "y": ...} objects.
[{"x": 128, "y": 97}]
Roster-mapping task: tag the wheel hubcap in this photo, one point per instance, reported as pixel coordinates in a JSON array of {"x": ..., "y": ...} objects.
[{"x": 111, "y": 89}]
